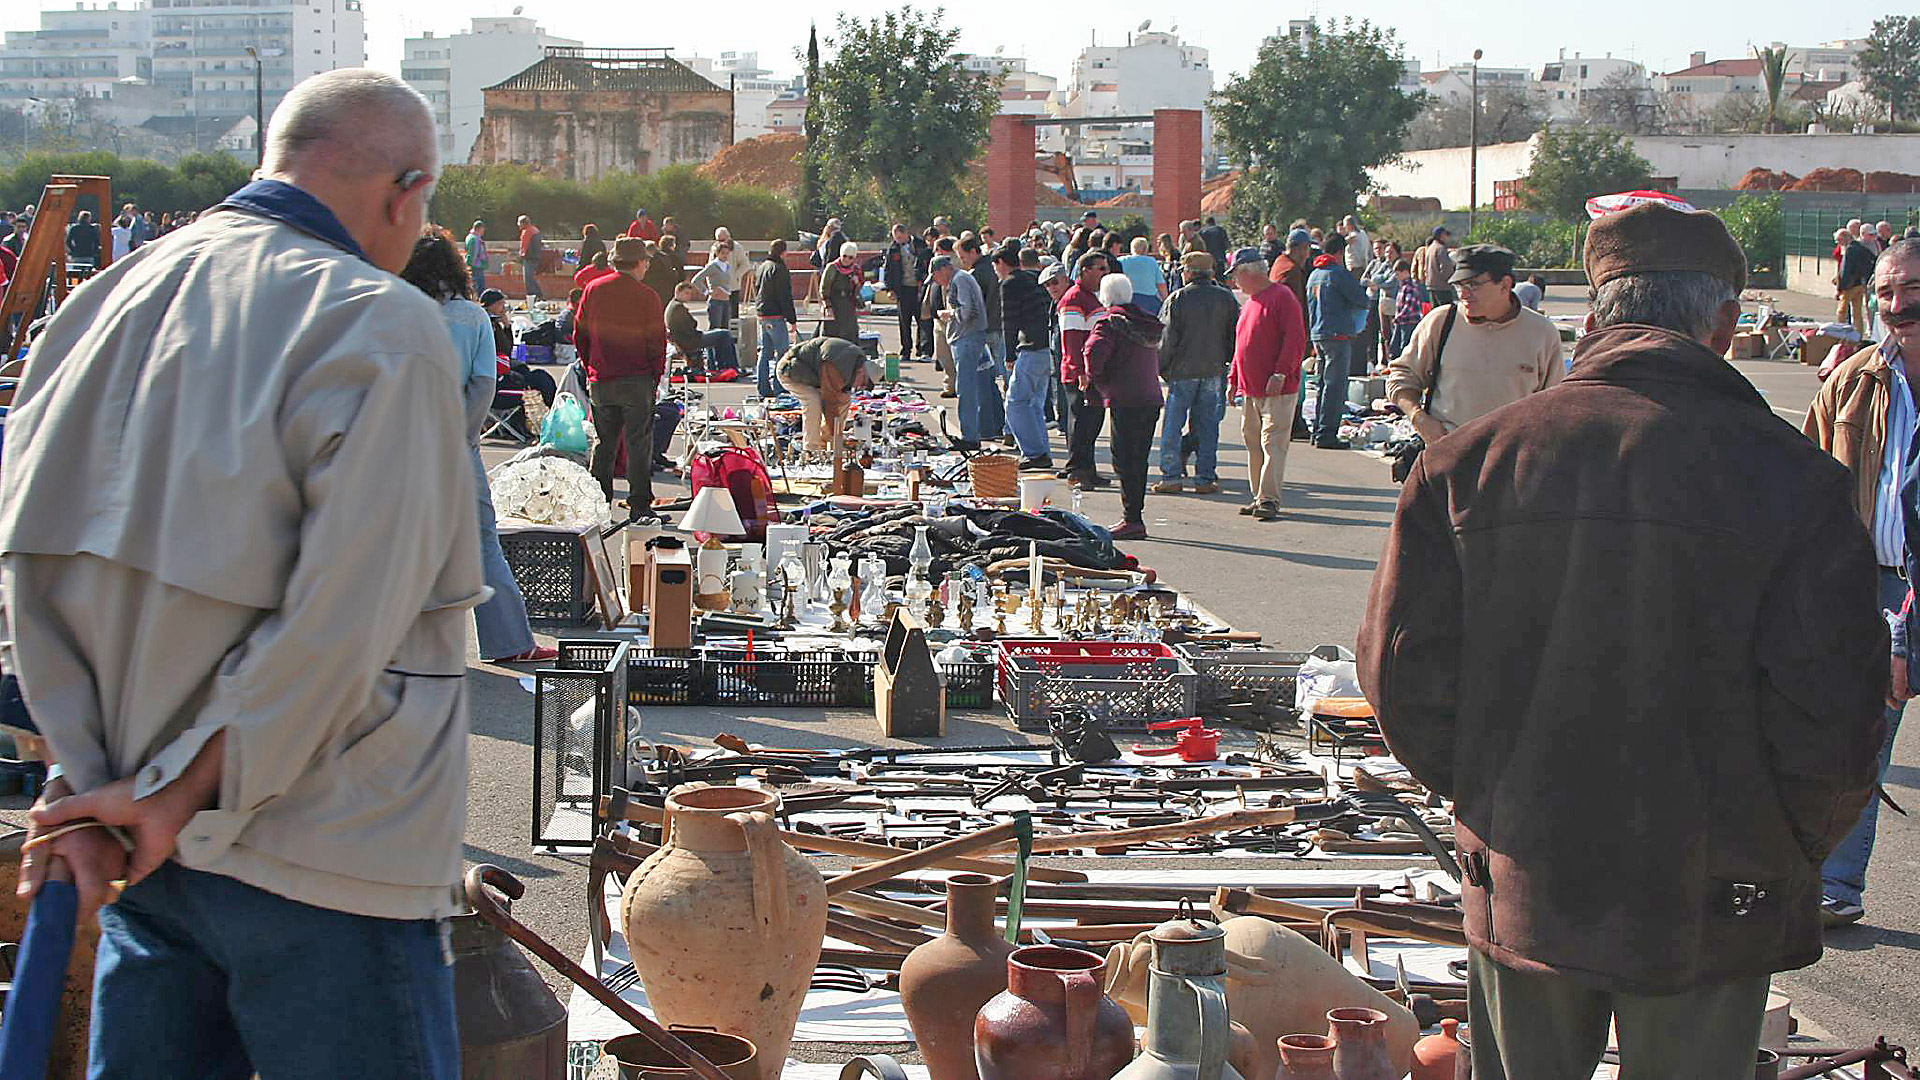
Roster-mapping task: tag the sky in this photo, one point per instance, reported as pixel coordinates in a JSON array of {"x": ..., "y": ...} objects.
[{"x": 1513, "y": 33}]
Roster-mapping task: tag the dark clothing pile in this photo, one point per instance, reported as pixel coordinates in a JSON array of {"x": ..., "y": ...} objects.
[{"x": 973, "y": 537}]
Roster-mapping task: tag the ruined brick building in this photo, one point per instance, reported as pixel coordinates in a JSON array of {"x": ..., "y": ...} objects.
[{"x": 583, "y": 113}]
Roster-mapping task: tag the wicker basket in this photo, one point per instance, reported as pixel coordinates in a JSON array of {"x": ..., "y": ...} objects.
[{"x": 994, "y": 476}]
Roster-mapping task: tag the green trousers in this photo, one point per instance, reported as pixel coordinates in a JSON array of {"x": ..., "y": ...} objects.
[{"x": 1547, "y": 1027}]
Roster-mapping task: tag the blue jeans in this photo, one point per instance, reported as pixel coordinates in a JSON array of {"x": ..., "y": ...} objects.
[
  {"x": 721, "y": 352},
  {"x": 1336, "y": 360},
  {"x": 1192, "y": 403},
  {"x": 500, "y": 624},
  {"x": 479, "y": 280},
  {"x": 970, "y": 382},
  {"x": 773, "y": 346},
  {"x": 1027, "y": 400},
  {"x": 1844, "y": 875},
  {"x": 529, "y": 274},
  {"x": 718, "y": 312},
  {"x": 993, "y": 403},
  {"x": 201, "y": 975}
]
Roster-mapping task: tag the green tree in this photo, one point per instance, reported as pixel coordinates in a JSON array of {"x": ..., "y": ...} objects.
[
  {"x": 1314, "y": 114},
  {"x": 1571, "y": 165},
  {"x": 1773, "y": 74},
  {"x": 807, "y": 205},
  {"x": 1759, "y": 227},
  {"x": 898, "y": 115},
  {"x": 1890, "y": 65}
]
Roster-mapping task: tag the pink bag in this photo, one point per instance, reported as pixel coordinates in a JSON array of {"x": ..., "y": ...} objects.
[{"x": 744, "y": 476}]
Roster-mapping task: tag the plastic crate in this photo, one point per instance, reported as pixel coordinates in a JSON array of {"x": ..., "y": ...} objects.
[
  {"x": 1123, "y": 682},
  {"x": 1229, "y": 673},
  {"x": 969, "y": 684},
  {"x": 550, "y": 567},
  {"x": 802, "y": 680},
  {"x": 654, "y": 677}
]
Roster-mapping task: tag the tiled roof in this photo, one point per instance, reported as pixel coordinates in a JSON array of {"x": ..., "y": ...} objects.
[
  {"x": 651, "y": 73},
  {"x": 1749, "y": 66}
]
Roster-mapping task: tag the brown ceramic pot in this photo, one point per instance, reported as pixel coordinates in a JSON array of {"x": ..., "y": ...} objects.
[
  {"x": 640, "y": 1058},
  {"x": 944, "y": 982},
  {"x": 1435, "y": 1056},
  {"x": 725, "y": 921},
  {"x": 1305, "y": 1057},
  {"x": 1052, "y": 1022},
  {"x": 1360, "y": 1045}
]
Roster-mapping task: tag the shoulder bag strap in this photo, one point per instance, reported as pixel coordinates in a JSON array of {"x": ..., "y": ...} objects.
[{"x": 1440, "y": 351}]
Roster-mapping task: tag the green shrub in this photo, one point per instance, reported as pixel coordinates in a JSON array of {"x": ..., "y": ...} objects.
[
  {"x": 1756, "y": 222},
  {"x": 197, "y": 182},
  {"x": 1535, "y": 245},
  {"x": 499, "y": 194}
]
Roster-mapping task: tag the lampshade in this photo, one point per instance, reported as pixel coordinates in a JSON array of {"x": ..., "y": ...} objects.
[{"x": 712, "y": 514}]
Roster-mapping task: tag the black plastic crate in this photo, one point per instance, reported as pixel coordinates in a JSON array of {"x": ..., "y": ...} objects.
[
  {"x": 551, "y": 569},
  {"x": 969, "y": 684},
  {"x": 803, "y": 680}
]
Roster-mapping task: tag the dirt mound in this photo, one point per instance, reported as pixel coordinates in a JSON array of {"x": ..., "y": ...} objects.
[
  {"x": 1828, "y": 180},
  {"x": 768, "y": 161},
  {"x": 1892, "y": 183},
  {"x": 1216, "y": 194},
  {"x": 1131, "y": 198},
  {"x": 1766, "y": 180}
]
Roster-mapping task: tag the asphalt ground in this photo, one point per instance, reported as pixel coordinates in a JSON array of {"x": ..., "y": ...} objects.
[{"x": 1300, "y": 582}]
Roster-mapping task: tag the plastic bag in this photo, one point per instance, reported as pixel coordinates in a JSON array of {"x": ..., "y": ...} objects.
[
  {"x": 1322, "y": 678},
  {"x": 565, "y": 427}
]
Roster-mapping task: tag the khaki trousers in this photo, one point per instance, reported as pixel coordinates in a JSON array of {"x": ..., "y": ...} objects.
[
  {"x": 813, "y": 416},
  {"x": 1548, "y": 1027},
  {"x": 943, "y": 354},
  {"x": 1852, "y": 308},
  {"x": 1266, "y": 425}
]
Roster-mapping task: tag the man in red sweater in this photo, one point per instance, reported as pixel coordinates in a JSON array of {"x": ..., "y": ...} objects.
[
  {"x": 1086, "y": 412},
  {"x": 1269, "y": 342},
  {"x": 620, "y": 331},
  {"x": 642, "y": 227}
]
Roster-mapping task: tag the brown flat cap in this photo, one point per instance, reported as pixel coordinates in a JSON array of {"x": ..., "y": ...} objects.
[
  {"x": 1654, "y": 237},
  {"x": 629, "y": 250},
  {"x": 1199, "y": 262}
]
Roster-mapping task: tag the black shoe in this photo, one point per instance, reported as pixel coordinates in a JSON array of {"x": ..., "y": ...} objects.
[
  {"x": 1301, "y": 434},
  {"x": 1335, "y": 444},
  {"x": 966, "y": 446},
  {"x": 1095, "y": 480},
  {"x": 1037, "y": 461}
]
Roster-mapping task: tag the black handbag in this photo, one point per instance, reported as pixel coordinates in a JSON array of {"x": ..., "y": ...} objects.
[{"x": 1410, "y": 451}]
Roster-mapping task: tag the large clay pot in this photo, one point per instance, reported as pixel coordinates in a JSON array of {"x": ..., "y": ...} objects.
[
  {"x": 1304, "y": 1057},
  {"x": 640, "y": 1058},
  {"x": 725, "y": 921},
  {"x": 1360, "y": 1045},
  {"x": 1280, "y": 983},
  {"x": 944, "y": 982},
  {"x": 512, "y": 1027},
  {"x": 1187, "y": 1027},
  {"x": 1052, "y": 1022},
  {"x": 1435, "y": 1056}
]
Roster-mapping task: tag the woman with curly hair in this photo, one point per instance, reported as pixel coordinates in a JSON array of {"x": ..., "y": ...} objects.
[{"x": 438, "y": 269}]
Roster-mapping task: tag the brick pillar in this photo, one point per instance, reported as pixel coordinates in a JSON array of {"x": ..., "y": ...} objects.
[
  {"x": 1010, "y": 175},
  {"x": 1176, "y": 168}
]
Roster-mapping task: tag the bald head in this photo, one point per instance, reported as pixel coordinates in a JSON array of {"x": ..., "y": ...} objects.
[
  {"x": 362, "y": 143},
  {"x": 349, "y": 122}
]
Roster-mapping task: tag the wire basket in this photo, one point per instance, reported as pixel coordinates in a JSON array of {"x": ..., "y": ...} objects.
[
  {"x": 994, "y": 476},
  {"x": 579, "y": 740}
]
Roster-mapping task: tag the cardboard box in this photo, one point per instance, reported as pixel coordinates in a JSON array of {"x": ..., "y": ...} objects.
[{"x": 1814, "y": 352}]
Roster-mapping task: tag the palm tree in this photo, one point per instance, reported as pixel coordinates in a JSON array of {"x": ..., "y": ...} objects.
[{"x": 1773, "y": 72}]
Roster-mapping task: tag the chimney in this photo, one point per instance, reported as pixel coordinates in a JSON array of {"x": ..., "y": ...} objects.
[
  {"x": 1697, "y": 59},
  {"x": 1563, "y": 54}
]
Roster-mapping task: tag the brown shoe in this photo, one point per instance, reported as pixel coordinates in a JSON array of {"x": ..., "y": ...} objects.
[
  {"x": 1170, "y": 487},
  {"x": 1267, "y": 511},
  {"x": 1247, "y": 510},
  {"x": 1206, "y": 487}
]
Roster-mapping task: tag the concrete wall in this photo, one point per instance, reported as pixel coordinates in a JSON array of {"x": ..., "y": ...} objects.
[
  {"x": 583, "y": 135},
  {"x": 1699, "y": 161}
]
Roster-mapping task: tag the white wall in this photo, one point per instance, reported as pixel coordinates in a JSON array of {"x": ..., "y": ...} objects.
[{"x": 1699, "y": 161}]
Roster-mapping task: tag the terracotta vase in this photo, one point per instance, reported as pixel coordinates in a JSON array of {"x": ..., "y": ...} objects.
[
  {"x": 1360, "y": 1045},
  {"x": 1305, "y": 1057},
  {"x": 1052, "y": 1022},
  {"x": 1435, "y": 1056},
  {"x": 725, "y": 921},
  {"x": 944, "y": 982}
]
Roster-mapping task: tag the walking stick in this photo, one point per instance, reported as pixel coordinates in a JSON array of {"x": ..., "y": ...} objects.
[{"x": 39, "y": 977}]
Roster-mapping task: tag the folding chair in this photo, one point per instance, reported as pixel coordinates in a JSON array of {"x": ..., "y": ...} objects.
[{"x": 502, "y": 422}]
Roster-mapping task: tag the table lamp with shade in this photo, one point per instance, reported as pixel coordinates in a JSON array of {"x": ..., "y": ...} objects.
[{"x": 713, "y": 514}]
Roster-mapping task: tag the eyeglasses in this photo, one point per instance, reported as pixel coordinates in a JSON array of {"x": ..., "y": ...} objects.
[{"x": 1472, "y": 284}]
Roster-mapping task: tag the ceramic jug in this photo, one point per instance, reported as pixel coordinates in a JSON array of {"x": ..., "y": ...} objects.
[
  {"x": 1360, "y": 1045},
  {"x": 1052, "y": 1022},
  {"x": 1305, "y": 1057},
  {"x": 944, "y": 982},
  {"x": 1187, "y": 1036},
  {"x": 725, "y": 921},
  {"x": 1435, "y": 1056}
]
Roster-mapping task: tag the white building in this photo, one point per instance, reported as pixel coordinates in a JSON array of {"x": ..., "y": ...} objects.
[
  {"x": 787, "y": 114},
  {"x": 754, "y": 88},
  {"x": 200, "y": 49},
  {"x": 451, "y": 71},
  {"x": 1565, "y": 81},
  {"x": 1455, "y": 83},
  {"x": 1702, "y": 84},
  {"x": 1153, "y": 70},
  {"x": 1832, "y": 61},
  {"x": 83, "y": 52}
]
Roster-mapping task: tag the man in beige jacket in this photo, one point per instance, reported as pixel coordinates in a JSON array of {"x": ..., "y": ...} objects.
[{"x": 236, "y": 521}]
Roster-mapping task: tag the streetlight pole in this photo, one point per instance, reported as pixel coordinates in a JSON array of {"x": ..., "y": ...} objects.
[
  {"x": 259, "y": 111},
  {"x": 1473, "y": 147}
]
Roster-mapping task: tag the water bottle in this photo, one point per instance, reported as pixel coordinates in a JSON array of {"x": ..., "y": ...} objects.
[{"x": 1078, "y": 498}]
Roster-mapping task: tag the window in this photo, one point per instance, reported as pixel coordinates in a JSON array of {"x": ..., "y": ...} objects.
[{"x": 1583, "y": 71}]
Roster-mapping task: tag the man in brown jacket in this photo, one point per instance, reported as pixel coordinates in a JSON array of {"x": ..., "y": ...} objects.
[{"x": 1653, "y": 692}]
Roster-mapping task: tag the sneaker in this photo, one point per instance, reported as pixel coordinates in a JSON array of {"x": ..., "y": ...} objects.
[
  {"x": 1267, "y": 511},
  {"x": 1037, "y": 461},
  {"x": 1838, "y": 913},
  {"x": 1206, "y": 487},
  {"x": 1128, "y": 530},
  {"x": 539, "y": 654},
  {"x": 1172, "y": 486}
]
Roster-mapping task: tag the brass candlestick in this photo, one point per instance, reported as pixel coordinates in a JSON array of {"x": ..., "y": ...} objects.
[
  {"x": 964, "y": 609},
  {"x": 935, "y": 613},
  {"x": 839, "y": 609}
]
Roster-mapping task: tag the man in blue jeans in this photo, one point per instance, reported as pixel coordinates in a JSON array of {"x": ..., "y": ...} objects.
[
  {"x": 1195, "y": 349},
  {"x": 261, "y": 680},
  {"x": 966, "y": 330},
  {"x": 773, "y": 302},
  {"x": 1336, "y": 313},
  {"x": 1871, "y": 392},
  {"x": 1026, "y": 312}
]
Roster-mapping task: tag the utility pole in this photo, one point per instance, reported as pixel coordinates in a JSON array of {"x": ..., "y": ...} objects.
[
  {"x": 1473, "y": 147},
  {"x": 259, "y": 110}
]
